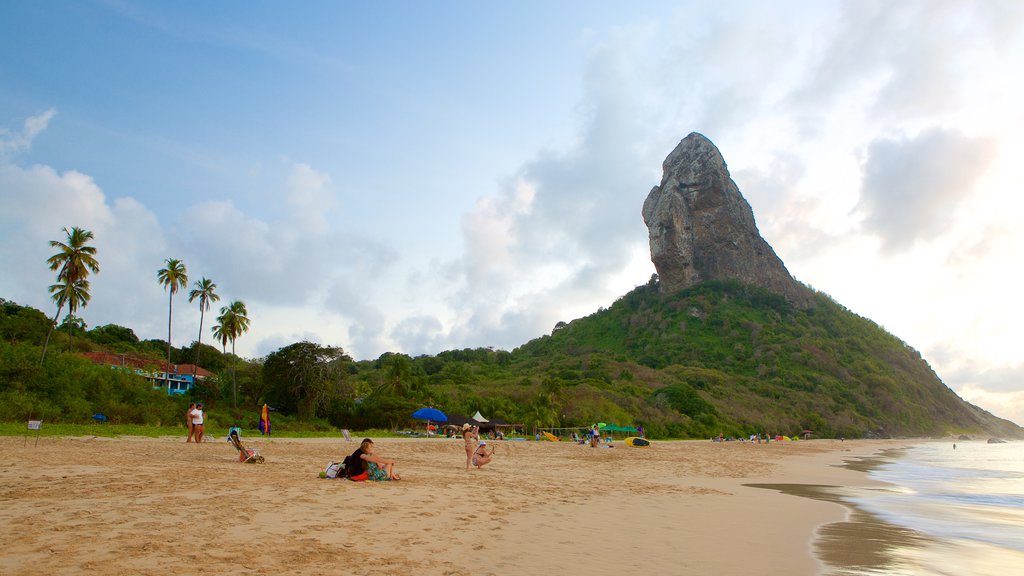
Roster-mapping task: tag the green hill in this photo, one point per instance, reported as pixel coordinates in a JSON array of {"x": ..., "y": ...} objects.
[{"x": 741, "y": 358}]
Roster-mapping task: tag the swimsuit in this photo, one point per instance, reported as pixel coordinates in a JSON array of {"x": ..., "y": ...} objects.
[{"x": 376, "y": 472}]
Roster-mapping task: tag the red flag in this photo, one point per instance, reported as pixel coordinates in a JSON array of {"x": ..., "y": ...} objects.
[{"x": 264, "y": 425}]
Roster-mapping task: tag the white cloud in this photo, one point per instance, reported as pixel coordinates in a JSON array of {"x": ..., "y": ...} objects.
[
  {"x": 998, "y": 389},
  {"x": 309, "y": 196},
  {"x": 12, "y": 143},
  {"x": 912, "y": 186}
]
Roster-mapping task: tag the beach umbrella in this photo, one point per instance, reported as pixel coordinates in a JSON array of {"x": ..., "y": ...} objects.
[
  {"x": 264, "y": 425},
  {"x": 430, "y": 414}
]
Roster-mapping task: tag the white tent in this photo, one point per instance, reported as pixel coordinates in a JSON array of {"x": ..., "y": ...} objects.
[{"x": 479, "y": 418}]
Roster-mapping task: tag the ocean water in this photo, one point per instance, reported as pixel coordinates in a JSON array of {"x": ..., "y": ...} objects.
[{"x": 944, "y": 511}]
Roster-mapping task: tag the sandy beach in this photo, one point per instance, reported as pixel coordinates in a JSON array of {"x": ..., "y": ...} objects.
[{"x": 160, "y": 506}]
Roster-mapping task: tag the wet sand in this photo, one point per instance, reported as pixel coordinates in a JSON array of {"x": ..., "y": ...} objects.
[{"x": 160, "y": 506}]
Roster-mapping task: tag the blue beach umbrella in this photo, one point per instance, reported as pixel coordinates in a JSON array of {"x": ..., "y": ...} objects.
[{"x": 431, "y": 414}]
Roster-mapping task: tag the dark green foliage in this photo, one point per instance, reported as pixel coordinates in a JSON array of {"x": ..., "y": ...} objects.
[
  {"x": 304, "y": 378},
  {"x": 684, "y": 399},
  {"x": 112, "y": 334},
  {"x": 22, "y": 323}
]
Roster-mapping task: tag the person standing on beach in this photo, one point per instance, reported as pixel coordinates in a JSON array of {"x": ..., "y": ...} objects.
[
  {"x": 188, "y": 422},
  {"x": 470, "y": 435},
  {"x": 197, "y": 422}
]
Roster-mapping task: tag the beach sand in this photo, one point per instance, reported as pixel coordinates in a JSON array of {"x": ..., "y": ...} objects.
[{"x": 160, "y": 506}]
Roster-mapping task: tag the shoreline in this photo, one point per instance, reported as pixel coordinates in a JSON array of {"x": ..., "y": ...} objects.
[
  {"x": 678, "y": 507},
  {"x": 860, "y": 543}
]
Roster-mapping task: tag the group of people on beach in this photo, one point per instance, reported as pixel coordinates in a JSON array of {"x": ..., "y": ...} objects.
[
  {"x": 477, "y": 452},
  {"x": 365, "y": 464}
]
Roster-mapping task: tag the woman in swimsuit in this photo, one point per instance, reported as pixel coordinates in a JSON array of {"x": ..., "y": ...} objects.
[
  {"x": 469, "y": 436},
  {"x": 481, "y": 456}
]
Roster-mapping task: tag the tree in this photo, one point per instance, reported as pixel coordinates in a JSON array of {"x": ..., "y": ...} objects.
[
  {"x": 205, "y": 291},
  {"x": 233, "y": 322},
  {"x": 304, "y": 377},
  {"x": 73, "y": 295},
  {"x": 221, "y": 334},
  {"x": 172, "y": 278},
  {"x": 75, "y": 259},
  {"x": 112, "y": 334}
]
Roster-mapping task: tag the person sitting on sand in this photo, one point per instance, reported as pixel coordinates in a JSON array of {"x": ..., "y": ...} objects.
[
  {"x": 481, "y": 455},
  {"x": 365, "y": 465}
]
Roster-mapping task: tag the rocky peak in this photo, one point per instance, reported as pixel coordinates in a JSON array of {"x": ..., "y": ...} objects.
[{"x": 701, "y": 228}]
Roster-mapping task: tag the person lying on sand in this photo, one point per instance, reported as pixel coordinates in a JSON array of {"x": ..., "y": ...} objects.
[
  {"x": 368, "y": 466},
  {"x": 482, "y": 456}
]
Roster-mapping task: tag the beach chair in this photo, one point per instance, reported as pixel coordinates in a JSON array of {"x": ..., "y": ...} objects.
[{"x": 245, "y": 455}]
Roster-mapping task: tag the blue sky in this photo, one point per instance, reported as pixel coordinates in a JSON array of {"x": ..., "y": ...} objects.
[{"x": 415, "y": 177}]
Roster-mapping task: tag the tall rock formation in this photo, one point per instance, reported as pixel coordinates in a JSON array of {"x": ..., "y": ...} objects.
[{"x": 701, "y": 228}]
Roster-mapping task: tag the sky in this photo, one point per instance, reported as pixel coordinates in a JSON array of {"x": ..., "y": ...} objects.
[{"x": 424, "y": 176}]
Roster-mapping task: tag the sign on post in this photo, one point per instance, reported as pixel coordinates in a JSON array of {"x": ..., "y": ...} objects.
[{"x": 36, "y": 425}]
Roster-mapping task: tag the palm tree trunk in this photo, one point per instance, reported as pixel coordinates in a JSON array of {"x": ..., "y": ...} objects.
[
  {"x": 71, "y": 333},
  {"x": 53, "y": 324},
  {"x": 234, "y": 383},
  {"x": 199, "y": 344},
  {"x": 170, "y": 307}
]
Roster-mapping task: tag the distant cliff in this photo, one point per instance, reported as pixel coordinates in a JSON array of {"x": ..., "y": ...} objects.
[{"x": 701, "y": 228}]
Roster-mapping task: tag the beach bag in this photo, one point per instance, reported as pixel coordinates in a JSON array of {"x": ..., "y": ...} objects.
[{"x": 334, "y": 469}]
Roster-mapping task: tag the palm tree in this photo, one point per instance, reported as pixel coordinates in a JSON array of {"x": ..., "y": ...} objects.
[
  {"x": 221, "y": 334},
  {"x": 73, "y": 295},
  {"x": 75, "y": 260},
  {"x": 205, "y": 291},
  {"x": 173, "y": 277},
  {"x": 234, "y": 321}
]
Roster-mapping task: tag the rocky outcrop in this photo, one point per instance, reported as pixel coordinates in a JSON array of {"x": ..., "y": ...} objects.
[{"x": 701, "y": 228}]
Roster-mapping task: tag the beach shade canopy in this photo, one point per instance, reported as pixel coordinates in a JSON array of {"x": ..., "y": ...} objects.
[
  {"x": 478, "y": 417},
  {"x": 615, "y": 428},
  {"x": 431, "y": 414},
  {"x": 458, "y": 420}
]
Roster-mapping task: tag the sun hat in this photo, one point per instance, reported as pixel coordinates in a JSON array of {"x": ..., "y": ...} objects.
[
  {"x": 482, "y": 443},
  {"x": 465, "y": 426}
]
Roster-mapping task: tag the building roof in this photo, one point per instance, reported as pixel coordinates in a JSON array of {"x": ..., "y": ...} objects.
[{"x": 135, "y": 362}]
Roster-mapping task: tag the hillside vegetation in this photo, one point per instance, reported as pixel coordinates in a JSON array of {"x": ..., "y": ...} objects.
[{"x": 719, "y": 358}]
